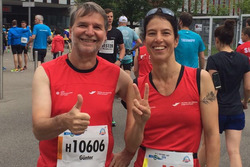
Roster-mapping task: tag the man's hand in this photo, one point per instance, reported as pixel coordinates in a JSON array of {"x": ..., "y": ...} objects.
[
  {"x": 76, "y": 121},
  {"x": 118, "y": 63}
]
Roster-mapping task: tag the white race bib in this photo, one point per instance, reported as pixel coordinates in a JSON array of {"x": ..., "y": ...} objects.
[
  {"x": 107, "y": 47},
  {"x": 155, "y": 158},
  {"x": 24, "y": 40},
  {"x": 87, "y": 149}
]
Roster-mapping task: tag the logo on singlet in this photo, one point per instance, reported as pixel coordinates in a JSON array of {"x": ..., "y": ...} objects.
[
  {"x": 101, "y": 93},
  {"x": 176, "y": 104},
  {"x": 92, "y": 92},
  {"x": 63, "y": 93}
]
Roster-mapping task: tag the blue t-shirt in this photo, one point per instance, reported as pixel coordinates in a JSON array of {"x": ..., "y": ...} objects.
[
  {"x": 129, "y": 36},
  {"x": 42, "y": 32},
  {"x": 188, "y": 49},
  {"x": 14, "y": 35},
  {"x": 25, "y": 37}
]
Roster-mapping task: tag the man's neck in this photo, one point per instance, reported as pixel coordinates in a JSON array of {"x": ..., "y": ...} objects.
[
  {"x": 184, "y": 28},
  {"x": 109, "y": 27}
]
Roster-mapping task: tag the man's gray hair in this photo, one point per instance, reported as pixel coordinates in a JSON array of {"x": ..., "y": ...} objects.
[
  {"x": 83, "y": 9},
  {"x": 39, "y": 17}
]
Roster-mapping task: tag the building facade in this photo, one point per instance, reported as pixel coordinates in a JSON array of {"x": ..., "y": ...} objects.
[{"x": 55, "y": 12}]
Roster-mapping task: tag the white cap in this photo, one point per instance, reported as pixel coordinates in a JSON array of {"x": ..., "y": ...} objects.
[{"x": 123, "y": 19}]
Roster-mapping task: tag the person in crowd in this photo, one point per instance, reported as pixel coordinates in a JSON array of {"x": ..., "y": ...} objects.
[
  {"x": 4, "y": 40},
  {"x": 129, "y": 36},
  {"x": 142, "y": 63},
  {"x": 65, "y": 113},
  {"x": 110, "y": 47},
  {"x": 14, "y": 40},
  {"x": 24, "y": 40},
  {"x": 114, "y": 41},
  {"x": 67, "y": 38},
  {"x": 190, "y": 49},
  {"x": 57, "y": 45},
  {"x": 245, "y": 47},
  {"x": 232, "y": 67},
  {"x": 40, "y": 35},
  {"x": 168, "y": 107},
  {"x": 247, "y": 24}
]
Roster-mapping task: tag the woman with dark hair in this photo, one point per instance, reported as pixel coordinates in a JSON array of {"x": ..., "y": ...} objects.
[
  {"x": 232, "y": 68},
  {"x": 169, "y": 106}
]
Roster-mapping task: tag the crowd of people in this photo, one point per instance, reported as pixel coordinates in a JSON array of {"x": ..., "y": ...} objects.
[
  {"x": 19, "y": 39},
  {"x": 177, "y": 105}
]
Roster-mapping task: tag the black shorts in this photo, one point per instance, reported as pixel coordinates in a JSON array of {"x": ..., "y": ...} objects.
[
  {"x": 233, "y": 122},
  {"x": 24, "y": 50},
  {"x": 68, "y": 41},
  {"x": 41, "y": 54},
  {"x": 16, "y": 49},
  {"x": 127, "y": 66}
]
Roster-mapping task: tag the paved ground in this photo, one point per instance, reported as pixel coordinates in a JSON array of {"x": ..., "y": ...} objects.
[{"x": 19, "y": 148}]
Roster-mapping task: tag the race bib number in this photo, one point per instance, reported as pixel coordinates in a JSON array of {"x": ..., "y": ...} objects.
[
  {"x": 24, "y": 40},
  {"x": 155, "y": 158},
  {"x": 107, "y": 47},
  {"x": 87, "y": 149}
]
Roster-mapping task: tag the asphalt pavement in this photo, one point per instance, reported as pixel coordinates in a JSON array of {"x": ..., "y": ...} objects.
[{"x": 18, "y": 146}]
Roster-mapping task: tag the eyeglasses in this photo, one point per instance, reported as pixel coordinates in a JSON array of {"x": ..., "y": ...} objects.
[{"x": 163, "y": 10}]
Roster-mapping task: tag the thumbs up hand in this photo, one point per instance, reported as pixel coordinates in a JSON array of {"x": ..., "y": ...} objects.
[{"x": 77, "y": 122}]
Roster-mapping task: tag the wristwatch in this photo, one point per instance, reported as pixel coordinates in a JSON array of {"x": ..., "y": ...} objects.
[{"x": 119, "y": 59}]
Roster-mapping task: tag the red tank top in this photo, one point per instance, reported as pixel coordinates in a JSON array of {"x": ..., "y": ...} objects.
[
  {"x": 175, "y": 122},
  {"x": 145, "y": 65},
  {"x": 97, "y": 86}
]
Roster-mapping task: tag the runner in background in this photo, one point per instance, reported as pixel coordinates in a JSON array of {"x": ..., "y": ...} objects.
[
  {"x": 114, "y": 41},
  {"x": 129, "y": 36},
  {"x": 24, "y": 40}
]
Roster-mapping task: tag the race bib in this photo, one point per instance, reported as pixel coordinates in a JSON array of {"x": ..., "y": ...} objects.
[
  {"x": 24, "y": 40},
  {"x": 87, "y": 149},
  {"x": 158, "y": 158},
  {"x": 107, "y": 47}
]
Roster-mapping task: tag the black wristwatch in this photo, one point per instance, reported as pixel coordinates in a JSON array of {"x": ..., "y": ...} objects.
[{"x": 119, "y": 59}]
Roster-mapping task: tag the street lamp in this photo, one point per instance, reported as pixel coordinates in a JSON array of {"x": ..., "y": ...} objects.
[{"x": 29, "y": 5}]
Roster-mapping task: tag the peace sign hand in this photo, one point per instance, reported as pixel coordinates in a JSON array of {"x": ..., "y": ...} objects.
[{"x": 141, "y": 109}]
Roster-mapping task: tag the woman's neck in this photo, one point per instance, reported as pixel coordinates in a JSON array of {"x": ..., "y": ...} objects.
[{"x": 225, "y": 48}]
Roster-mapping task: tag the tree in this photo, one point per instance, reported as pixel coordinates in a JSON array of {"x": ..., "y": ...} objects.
[
  {"x": 244, "y": 6},
  {"x": 135, "y": 10}
]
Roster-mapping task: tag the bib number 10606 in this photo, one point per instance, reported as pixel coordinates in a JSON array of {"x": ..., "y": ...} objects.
[{"x": 83, "y": 146}]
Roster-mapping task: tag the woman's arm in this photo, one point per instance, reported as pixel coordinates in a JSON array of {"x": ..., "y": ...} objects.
[{"x": 209, "y": 115}]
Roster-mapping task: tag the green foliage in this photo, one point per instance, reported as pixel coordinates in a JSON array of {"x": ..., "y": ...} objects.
[
  {"x": 218, "y": 10},
  {"x": 135, "y": 10},
  {"x": 244, "y": 6}
]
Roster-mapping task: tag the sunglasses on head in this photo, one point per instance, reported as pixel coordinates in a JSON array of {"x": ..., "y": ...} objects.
[{"x": 162, "y": 10}]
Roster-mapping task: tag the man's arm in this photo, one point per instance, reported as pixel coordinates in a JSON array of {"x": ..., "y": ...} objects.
[
  {"x": 137, "y": 44},
  {"x": 121, "y": 55},
  {"x": 46, "y": 127},
  {"x": 202, "y": 60},
  {"x": 31, "y": 40},
  {"x": 209, "y": 116}
]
